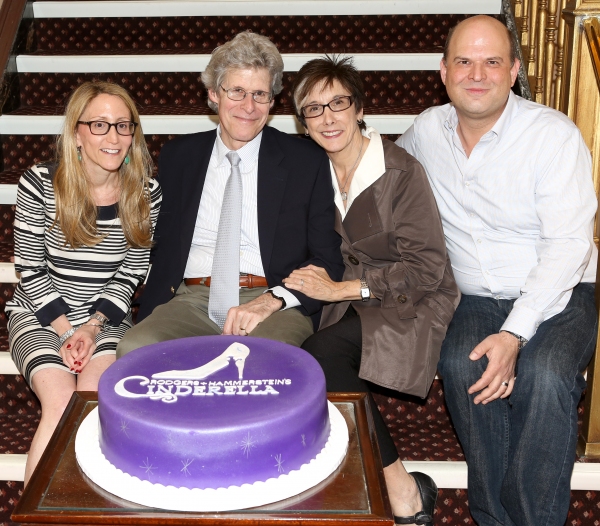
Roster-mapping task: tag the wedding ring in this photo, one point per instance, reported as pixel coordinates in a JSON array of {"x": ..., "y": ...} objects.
[
  {"x": 505, "y": 384},
  {"x": 302, "y": 283}
]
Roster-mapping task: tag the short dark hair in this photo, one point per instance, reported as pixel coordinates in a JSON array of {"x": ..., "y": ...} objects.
[
  {"x": 325, "y": 71},
  {"x": 511, "y": 38}
]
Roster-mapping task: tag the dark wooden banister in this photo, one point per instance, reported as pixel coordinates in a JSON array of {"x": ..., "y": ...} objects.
[{"x": 11, "y": 12}]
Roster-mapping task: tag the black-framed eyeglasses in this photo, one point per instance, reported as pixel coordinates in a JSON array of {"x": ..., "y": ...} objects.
[
  {"x": 102, "y": 127},
  {"x": 237, "y": 94},
  {"x": 338, "y": 104}
]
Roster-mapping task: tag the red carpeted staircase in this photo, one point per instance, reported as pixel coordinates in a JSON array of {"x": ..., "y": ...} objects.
[{"x": 158, "y": 57}]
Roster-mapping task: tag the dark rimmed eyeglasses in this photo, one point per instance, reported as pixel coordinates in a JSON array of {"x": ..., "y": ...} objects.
[
  {"x": 102, "y": 127},
  {"x": 237, "y": 94},
  {"x": 338, "y": 104}
]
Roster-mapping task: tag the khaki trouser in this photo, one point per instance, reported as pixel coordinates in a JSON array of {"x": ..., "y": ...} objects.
[{"x": 187, "y": 315}]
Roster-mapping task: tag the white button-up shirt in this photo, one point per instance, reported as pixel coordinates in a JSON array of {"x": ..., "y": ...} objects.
[
  {"x": 200, "y": 259},
  {"x": 518, "y": 212}
]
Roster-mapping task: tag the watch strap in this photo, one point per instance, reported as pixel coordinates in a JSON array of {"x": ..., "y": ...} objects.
[
  {"x": 103, "y": 320},
  {"x": 365, "y": 291},
  {"x": 522, "y": 341}
]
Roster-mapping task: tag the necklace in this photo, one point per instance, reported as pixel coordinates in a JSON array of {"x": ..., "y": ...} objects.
[{"x": 343, "y": 193}]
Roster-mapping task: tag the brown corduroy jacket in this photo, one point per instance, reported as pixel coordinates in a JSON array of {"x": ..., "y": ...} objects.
[{"x": 392, "y": 235}]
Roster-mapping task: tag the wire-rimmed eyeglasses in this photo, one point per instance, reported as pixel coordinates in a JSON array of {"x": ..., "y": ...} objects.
[
  {"x": 237, "y": 94},
  {"x": 338, "y": 104},
  {"x": 103, "y": 127}
]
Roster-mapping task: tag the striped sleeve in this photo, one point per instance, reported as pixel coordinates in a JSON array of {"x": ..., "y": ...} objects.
[
  {"x": 30, "y": 253},
  {"x": 115, "y": 299}
]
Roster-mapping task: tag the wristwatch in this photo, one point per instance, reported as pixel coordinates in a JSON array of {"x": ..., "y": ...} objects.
[
  {"x": 522, "y": 341},
  {"x": 280, "y": 298},
  {"x": 100, "y": 318},
  {"x": 365, "y": 291}
]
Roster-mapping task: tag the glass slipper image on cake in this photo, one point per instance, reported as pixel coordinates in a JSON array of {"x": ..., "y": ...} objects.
[{"x": 236, "y": 351}]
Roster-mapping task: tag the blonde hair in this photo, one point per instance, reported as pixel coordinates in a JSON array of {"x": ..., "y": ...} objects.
[{"x": 76, "y": 212}]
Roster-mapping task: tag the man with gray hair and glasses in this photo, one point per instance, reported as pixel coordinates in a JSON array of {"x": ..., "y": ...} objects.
[{"x": 243, "y": 206}]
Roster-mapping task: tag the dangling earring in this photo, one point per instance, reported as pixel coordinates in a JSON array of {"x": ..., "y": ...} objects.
[
  {"x": 79, "y": 153},
  {"x": 306, "y": 133},
  {"x": 126, "y": 161}
]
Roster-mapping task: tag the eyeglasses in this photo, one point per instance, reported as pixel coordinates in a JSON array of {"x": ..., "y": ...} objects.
[
  {"x": 103, "y": 127},
  {"x": 262, "y": 97},
  {"x": 337, "y": 104}
]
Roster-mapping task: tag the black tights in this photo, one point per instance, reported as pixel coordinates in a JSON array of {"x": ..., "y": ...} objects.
[{"x": 338, "y": 349}]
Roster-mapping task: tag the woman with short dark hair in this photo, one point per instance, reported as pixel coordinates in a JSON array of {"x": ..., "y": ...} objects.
[{"x": 386, "y": 320}]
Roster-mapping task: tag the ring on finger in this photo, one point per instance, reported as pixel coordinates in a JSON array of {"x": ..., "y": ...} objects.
[
  {"x": 242, "y": 329},
  {"x": 505, "y": 384},
  {"x": 302, "y": 283}
]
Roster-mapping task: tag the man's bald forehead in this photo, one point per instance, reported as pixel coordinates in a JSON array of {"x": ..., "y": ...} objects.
[{"x": 483, "y": 19}]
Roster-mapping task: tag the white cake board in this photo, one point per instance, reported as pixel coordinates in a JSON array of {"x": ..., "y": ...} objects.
[{"x": 95, "y": 465}]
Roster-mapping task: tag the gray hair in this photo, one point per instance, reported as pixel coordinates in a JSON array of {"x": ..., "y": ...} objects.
[{"x": 246, "y": 51}]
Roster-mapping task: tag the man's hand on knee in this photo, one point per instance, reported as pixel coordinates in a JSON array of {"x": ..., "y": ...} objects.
[
  {"x": 498, "y": 379},
  {"x": 243, "y": 320}
]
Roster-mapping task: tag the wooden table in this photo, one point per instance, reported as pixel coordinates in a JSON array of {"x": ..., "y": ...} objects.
[{"x": 60, "y": 493}]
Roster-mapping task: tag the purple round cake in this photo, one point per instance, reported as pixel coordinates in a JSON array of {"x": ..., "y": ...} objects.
[{"x": 212, "y": 411}]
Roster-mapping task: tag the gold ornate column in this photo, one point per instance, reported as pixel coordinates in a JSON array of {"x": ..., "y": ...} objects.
[
  {"x": 560, "y": 44},
  {"x": 533, "y": 31},
  {"x": 551, "y": 28},
  {"x": 580, "y": 100},
  {"x": 540, "y": 54}
]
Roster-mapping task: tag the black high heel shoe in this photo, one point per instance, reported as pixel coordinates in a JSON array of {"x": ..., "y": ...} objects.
[{"x": 428, "y": 491}]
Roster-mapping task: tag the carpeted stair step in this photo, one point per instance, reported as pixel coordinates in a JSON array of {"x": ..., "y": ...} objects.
[
  {"x": 19, "y": 152},
  {"x": 452, "y": 506},
  {"x": 380, "y": 33},
  {"x": 400, "y": 91}
]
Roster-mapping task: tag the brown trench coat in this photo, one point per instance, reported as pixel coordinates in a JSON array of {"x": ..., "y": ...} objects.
[{"x": 392, "y": 235}]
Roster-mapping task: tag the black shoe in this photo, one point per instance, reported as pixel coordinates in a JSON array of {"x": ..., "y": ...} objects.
[{"x": 428, "y": 491}]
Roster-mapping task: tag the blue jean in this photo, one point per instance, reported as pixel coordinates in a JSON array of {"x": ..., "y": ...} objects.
[{"x": 520, "y": 450}]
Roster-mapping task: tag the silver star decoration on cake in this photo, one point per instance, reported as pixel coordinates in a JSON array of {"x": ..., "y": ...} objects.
[
  {"x": 148, "y": 467},
  {"x": 247, "y": 444},
  {"x": 186, "y": 464},
  {"x": 279, "y": 464},
  {"x": 303, "y": 441},
  {"x": 124, "y": 427}
]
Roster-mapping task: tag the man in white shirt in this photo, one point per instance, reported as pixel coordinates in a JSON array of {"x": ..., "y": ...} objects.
[
  {"x": 284, "y": 217},
  {"x": 513, "y": 183}
]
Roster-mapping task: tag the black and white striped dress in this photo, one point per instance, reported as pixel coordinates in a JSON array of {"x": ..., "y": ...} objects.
[{"x": 59, "y": 280}]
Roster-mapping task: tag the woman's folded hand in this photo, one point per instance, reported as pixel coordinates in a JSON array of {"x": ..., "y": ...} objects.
[
  {"x": 77, "y": 350},
  {"x": 315, "y": 283}
]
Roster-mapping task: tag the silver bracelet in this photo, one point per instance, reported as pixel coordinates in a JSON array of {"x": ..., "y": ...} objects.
[{"x": 65, "y": 336}]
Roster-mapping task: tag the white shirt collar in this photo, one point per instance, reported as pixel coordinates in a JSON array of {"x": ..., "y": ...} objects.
[
  {"x": 500, "y": 126},
  {"x": 371, "y": 168},
  {"x": 248, "y": 153}
]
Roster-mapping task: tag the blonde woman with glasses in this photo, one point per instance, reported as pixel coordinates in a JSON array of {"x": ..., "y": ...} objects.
[{"x": 83, "y": 232}]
